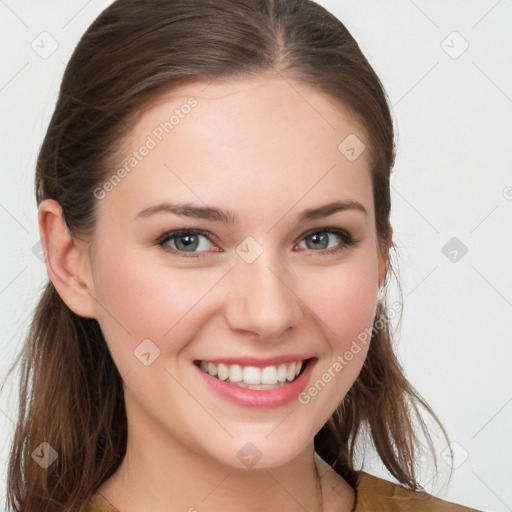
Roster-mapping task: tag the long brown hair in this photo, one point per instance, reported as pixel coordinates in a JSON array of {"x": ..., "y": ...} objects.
[{"x": 71, "y": 394}]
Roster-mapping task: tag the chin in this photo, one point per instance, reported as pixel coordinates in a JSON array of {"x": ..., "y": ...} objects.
[{"x": 253, "y": 452}]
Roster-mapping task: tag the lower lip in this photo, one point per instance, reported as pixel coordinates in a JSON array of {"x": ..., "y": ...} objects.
[{"x": 263, "y": 399}]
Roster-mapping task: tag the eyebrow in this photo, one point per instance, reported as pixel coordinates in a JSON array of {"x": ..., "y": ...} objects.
[{"x": 217, "y": 215}]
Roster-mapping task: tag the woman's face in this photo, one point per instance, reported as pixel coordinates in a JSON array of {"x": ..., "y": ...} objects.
[{"x": 276, "y": 279}]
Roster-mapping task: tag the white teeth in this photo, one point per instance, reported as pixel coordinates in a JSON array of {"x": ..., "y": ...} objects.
[
  {"x": 212, "y": 369},
  {"x": 281, "y": 373},
  {"x": 253, "y": 375},
  {"x": 235, "y": 373},
  {"x": 269, "y": 375},
  {"x": 222, "y": 371},
  {"x": 290, "y": 373}
]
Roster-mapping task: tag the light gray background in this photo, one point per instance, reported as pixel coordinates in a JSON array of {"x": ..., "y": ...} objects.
[{"x": 452, "y": 178}]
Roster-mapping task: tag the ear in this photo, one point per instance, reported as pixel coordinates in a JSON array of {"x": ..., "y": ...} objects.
[
  {"x": 67, "y": 261},
  {"x": 383, "y": 257}
]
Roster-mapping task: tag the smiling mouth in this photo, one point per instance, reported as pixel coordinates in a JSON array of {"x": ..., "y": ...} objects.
[{"x": 253, "y": 377}]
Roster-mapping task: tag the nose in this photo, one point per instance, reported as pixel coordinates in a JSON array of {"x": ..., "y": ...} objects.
[{"x": 261, "y": 299}]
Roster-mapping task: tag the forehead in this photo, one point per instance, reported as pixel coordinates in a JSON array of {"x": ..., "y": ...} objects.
[
  {"x": 256, "y": 95},
  {"x": 244, "y": 142}
]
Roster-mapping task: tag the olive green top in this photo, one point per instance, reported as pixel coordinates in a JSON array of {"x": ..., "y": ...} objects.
[{"x": 373, "y": 494}]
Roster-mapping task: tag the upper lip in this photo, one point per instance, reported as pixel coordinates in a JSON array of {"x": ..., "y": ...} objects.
[{"x": 254, "y": 361}]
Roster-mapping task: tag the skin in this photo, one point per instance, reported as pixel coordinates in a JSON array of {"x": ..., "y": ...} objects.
[{"x": 265, "y": 149}]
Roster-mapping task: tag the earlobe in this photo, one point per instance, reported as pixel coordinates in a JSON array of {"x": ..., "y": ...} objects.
[{"x": 67, "y": 262}]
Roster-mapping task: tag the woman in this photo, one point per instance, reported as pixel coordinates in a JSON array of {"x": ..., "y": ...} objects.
[{"x": 214, "y": 204}]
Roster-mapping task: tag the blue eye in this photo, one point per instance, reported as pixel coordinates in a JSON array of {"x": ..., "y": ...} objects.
[
  {"x": 320, "y": 240},
  {"x": 185, "y": 241},
  {"x": 188, "y": 242}
]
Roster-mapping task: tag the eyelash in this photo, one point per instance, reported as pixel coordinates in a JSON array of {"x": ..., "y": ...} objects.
[{"x": 347, "y": 240}]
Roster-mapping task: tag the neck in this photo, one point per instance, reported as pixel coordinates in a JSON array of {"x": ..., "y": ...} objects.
[{"x": 159, "y": 473}]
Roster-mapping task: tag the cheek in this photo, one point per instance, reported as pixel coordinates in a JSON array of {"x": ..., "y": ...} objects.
[
  {"x": 344, "y": 300},
  {"x": 139, "y": 301}
]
